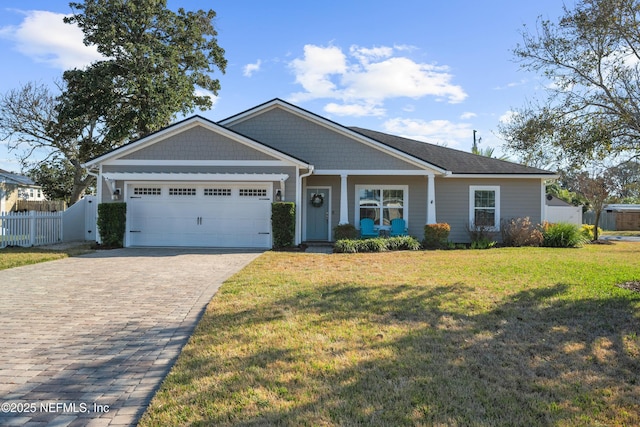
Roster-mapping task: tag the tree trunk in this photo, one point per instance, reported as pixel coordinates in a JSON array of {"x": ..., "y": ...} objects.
[
  {"x": 81, "y": 181},
  {"x": 597, "y": 221}
]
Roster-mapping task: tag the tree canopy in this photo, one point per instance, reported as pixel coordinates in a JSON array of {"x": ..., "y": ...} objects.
[
  {"x": 155, "y": 60},
  {"x": 157, "y": 64},
  {"x": 591, "y": 58}
]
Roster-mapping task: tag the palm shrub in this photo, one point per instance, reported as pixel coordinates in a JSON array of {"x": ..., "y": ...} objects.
[
  {"x": 588, "y": 231},
  {"x": 563, "y": 235}
]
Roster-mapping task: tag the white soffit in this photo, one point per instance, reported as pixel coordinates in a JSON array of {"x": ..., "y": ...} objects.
[{"x": 168, "y": 176}]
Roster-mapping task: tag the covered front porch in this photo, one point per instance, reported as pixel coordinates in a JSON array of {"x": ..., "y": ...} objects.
[{"x": 330, "y": 198}]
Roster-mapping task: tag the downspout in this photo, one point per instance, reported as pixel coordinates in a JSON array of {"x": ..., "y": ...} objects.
[{"x": 299, "y": 205}]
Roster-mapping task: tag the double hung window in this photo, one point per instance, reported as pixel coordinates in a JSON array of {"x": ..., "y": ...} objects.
[{"x": 484, "y": 207}]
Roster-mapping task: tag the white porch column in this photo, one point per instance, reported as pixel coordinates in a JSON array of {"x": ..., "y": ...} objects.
[
  {"x": 431, "y": 199},
  {"x": 344, "y": 201}
]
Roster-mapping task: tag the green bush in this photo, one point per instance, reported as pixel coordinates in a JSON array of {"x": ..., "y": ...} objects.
[
  {"x": 436, "y": 236},
  {"x": 563, "y": 235},
  {"x": 283, "y": 224},
  {"x": 112, "y": 219},
  {"x": 588, "y": 231},
  {"x": 483, "y": 243},
  {"x": 346, "y": 246},
  {"x": 345, "y": 231},
  {"x": 400, "y": 243}
]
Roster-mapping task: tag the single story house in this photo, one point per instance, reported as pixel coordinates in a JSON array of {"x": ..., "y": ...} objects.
[
  {"x": 15, "y": 187},
  {"x": 627, "y": 216},
  {"x": 201, "y": 183}
]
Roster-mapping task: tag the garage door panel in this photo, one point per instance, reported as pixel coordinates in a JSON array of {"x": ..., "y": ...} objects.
[{"x": 214, "y": 215}]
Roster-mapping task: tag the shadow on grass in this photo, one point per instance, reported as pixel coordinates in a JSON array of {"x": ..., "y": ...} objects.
[{"x": 405, "y": 355}]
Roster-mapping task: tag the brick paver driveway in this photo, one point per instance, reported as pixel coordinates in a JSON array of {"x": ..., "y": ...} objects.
[{"x": 88, "y": 340}]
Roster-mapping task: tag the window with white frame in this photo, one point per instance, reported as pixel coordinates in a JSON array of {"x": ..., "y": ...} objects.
[
  {"x": 484, "y": 206},
  {"x": 381, "y": 203}
]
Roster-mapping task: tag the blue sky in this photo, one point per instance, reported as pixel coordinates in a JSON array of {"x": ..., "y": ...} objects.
[{"x": 429, "y": 70}]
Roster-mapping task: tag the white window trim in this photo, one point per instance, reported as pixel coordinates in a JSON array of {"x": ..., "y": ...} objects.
[
  {"x": 405, "y": 206},
  {"x": 472, "y": 201}
]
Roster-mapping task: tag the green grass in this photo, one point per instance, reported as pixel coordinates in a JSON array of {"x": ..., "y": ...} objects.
[
  {"x": 15, "y": 257},
  {"x": 509, "y": 336},
  {"x": 621, "y": 233}
]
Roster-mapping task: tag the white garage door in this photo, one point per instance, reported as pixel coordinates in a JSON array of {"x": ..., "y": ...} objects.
[{"x": 211, "y": 215}]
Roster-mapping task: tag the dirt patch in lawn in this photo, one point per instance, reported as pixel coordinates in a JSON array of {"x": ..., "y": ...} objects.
[{"x": 633, "y": 285}]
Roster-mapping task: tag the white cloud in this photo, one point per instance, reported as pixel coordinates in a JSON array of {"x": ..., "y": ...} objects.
[
  {"x": 507, "y": 117},
  {"x": 202, "y": 92},
  {"x": 355, "y": 110},
  {"x": 44, "y": 37},
  {"x": 365, "y": 55},
  {"x": 314, "y": 72},
  {"x": 512, "y": 84},
  {"x": 441, "y": 132},
  {"x": 468, "y": 115},
  {"x": 367, "y": 77},
  {"x": 249, "y": 69}
]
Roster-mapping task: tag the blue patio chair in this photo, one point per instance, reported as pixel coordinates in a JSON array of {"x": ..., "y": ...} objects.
[
  {"x": 398, "y": 227},
  {"x": 366, "y": 228}
]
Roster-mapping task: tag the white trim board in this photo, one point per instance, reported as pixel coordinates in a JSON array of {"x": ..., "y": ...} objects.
[{"x": 162, "y": 176}]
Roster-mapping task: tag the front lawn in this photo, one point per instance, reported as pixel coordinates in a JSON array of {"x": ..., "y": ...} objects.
[
  {"x": 509, "y": 336},
  {"x": 15, "y": 256}
]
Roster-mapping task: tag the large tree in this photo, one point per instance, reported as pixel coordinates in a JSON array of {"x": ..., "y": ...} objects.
[
  {"x": 155, "y": 62},
  {"x": 156, "y": 58},
  {"x": 596, "y": 189},
  {"x": 591, "y": 58}
]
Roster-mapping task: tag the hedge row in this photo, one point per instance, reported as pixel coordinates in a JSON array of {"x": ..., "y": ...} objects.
[{"x": 401, "y": 243}]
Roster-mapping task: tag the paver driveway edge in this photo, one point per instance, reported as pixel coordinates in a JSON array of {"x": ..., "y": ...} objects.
[{"x": 88, "y": 340}]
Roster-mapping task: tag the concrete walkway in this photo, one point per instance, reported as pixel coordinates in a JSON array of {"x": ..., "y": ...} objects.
[{"x": 86, "y": 341}]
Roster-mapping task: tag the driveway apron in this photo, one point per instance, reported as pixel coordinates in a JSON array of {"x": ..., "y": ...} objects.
[{"x": 88, "y": 340}]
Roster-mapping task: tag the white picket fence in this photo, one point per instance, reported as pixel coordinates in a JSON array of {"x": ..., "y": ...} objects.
[{"x": 30, "y": 228}]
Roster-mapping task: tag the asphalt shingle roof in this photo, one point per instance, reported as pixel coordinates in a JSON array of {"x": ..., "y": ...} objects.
[
  {"x": 455, "y": 161},
  {"x": 14, "y": 178}
]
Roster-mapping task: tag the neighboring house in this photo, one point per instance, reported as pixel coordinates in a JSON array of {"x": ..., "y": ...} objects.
[
  {"x": 200, "y": 183},
  {"x": 14, "y": 187},
  {"x": 626, "y": 216},
  {"x": 557, "y": 210}
]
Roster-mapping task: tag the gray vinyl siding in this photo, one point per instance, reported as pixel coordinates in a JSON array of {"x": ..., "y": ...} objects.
[
  {"x": 519, "y": 198},
  {"x": 416, "y": 203},
  {"x": 198, "y": 143},
  {"x": 323, "y": 147}
]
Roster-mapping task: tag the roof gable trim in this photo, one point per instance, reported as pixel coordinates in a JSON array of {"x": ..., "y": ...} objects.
[{"x": 187, "y": 124}]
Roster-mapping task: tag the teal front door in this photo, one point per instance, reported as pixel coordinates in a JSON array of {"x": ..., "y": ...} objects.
[{"x": 317, "y": 205}]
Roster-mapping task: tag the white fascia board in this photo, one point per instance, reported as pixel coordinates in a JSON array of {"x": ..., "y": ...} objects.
[
  {"x": 162, "y": 176},
  {"x": 405, "y": 172},
  {"x": 186, "y": 125},
  {"x": 501, "y": 176},
  {"x": 334, "y": 127},
  {"x": 127, "y": 162}
]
